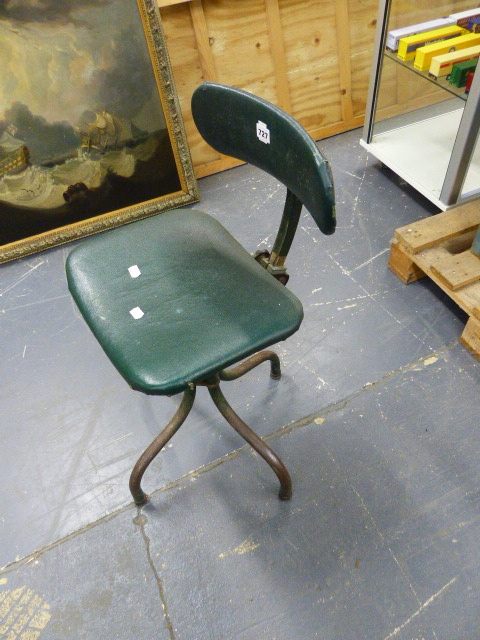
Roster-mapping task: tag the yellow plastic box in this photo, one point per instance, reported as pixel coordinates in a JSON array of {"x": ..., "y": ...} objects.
[
  {"x": 408, "y": 46},
  {"x": 442, "y": 65},
  {"x": 424, "y": 55}
]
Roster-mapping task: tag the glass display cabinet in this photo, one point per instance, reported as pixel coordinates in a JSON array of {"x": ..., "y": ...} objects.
[{"x": 423, "y": 127}]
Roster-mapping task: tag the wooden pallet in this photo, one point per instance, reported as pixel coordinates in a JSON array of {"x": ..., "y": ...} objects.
[{"x": 439, "y": 247}]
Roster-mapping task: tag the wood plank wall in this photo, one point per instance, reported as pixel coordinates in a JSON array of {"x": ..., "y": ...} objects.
[{"x": 311, "y": 57}]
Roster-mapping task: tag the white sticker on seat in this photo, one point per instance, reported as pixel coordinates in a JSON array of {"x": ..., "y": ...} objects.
[
  {"x": 134, "y": 271},
  {"x": 263, "y": 132},
  {"x": 137, "y": 313}
]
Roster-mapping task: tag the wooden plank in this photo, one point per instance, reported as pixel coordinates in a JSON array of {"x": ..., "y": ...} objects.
[
  {"x": 344, "y": 53},
  {"x": 402, "y": 264},
  {"x": 436, "y": 229},
  {"x": 201, "y": 35},
  {"x": 470, "y": 337},
  {"x": 215, "y": 166},
  {"x": 169, "y": 3},
  {"x": 337, "y": 127},
  {"x": 456, "y": 271},
  {"x": 240, "y": 45},
  {"x": 361, "y": 33},
  {"x": 278, "y": 54},
  {"x": 468, "y": 297},
  {"x": 311, "y": 50}
]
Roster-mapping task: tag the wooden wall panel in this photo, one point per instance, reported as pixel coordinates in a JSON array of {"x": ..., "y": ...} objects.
[
  {"x": 311, "y": 57},
  {"x": 361, "y": 27},
  {"x": 240, "y": 44}
]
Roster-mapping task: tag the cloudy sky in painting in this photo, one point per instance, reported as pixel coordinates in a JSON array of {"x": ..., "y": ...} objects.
[{"x": 61, "y": 58}]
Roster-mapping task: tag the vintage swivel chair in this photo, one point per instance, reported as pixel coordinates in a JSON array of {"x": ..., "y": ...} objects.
[{"x": 174, "y": 299}]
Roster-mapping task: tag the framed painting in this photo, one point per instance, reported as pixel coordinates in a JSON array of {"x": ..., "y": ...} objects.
[{"x": 91, "y": 134}]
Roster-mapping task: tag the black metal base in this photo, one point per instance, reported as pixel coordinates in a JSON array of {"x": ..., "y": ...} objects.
[{"x": 213, "y": 385}]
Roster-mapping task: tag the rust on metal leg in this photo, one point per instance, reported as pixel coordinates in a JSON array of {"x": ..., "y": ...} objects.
[
  {"x": 251, "y": 363},
  {"x": 157, "y": 445},
  {"x": 253, "y": 439}
]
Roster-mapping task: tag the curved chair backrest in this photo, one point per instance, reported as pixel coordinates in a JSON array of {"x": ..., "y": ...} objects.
[{"x": 251, "y": 129}]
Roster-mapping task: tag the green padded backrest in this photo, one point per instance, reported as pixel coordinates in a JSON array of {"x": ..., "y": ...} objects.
[{"x": 246, "y": 127}]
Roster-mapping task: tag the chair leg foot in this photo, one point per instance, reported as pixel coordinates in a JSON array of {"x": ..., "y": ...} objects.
[
  {"x": 157, "y": 445},
  {"x": 140, "y": 496},
  {"x": 253, "y": 440},
  {"x": 285, "y": 492}
]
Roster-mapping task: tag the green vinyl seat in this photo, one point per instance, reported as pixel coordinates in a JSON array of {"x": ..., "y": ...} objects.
[
  {"x": 212, "y": 304},
  {"x": 174, "y": 299}
]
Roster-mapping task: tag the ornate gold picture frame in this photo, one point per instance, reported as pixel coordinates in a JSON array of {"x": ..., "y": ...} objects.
[{"x": 91, "y": 133}]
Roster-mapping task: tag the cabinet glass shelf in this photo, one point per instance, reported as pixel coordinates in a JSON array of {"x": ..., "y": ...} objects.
[
  {"x": 423, "y": 128},
  {"x": 441, "y": 83}
]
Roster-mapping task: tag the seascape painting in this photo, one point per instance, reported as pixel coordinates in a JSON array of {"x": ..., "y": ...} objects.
[{"x": 88, "y": 137}]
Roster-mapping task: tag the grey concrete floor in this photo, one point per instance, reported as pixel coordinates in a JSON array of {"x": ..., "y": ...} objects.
[{"x": 375, "y": 417}]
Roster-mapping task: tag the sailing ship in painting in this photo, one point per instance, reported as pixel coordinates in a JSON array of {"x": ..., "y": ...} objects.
[
  {"x": 14, "y": 154},
  {"x": 102, "y": 149},
  {"x": 107, "y": 131},
  {"x": 39, "y": 174},
  {"x": 54, "y": 175}
]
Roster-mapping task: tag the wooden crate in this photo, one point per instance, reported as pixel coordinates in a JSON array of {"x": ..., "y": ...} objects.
[{"x": 439, "y": 247}]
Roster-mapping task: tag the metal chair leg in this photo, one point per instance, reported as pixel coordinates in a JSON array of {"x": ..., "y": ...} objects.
[
  {"x": 157, "y": 445},
  {"x": 251, "y": 363},
  {"x": 253, "y": 439}
]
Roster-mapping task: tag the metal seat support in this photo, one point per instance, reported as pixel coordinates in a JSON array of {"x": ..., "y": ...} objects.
[{"x": 213, "y": 386}]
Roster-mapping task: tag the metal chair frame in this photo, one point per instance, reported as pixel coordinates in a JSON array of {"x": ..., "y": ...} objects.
[{"x": 234, "y": 420}]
